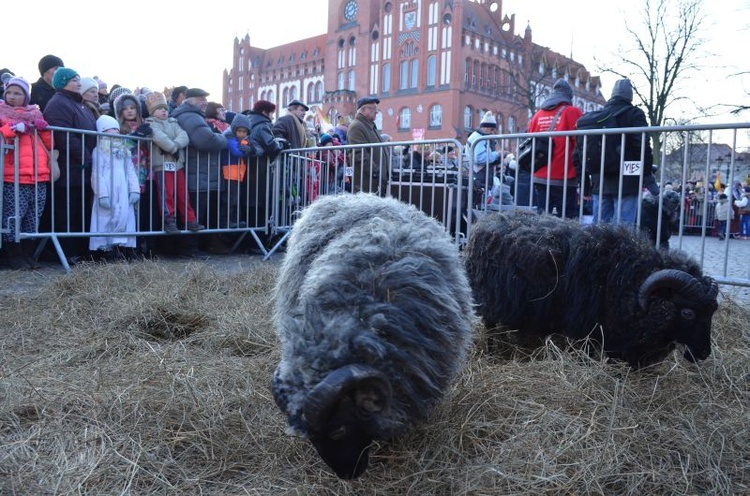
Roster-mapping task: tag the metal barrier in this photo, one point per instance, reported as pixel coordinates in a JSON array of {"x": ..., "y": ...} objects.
[{"x": 440, "y": 177}]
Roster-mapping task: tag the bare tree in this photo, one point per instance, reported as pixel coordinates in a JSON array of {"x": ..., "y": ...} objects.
[{"x": 665, "y": 42}]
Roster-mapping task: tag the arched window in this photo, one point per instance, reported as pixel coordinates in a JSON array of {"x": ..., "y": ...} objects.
[
  {"x": 436, "y": 115},
  {"x": 404, "y": 118},
  {"x": 319, "y": 91},
  {"x": 511, "y": 124},
  {"x": 311, "y": 93},
  {"x": 340, "y": 82},
  {"x": 467, "y": 117},
  {"x": 386, "y": 78},
  {"x": 351, "y": 80},
  {"x": 403, "y": 79},
  {"x": 285, "y": 97},
  {"x": 271, "y": 96},
  {"x": 431, "y": 70}
]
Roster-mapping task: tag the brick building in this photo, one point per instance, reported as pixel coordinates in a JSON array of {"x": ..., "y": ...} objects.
[{"x": 436, "y": 65}]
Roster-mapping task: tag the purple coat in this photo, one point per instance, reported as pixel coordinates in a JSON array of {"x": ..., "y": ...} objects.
[{"x": 66, "y": 110}]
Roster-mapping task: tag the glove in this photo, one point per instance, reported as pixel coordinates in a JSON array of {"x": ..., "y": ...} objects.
[
  {"x": 20, "y": 128},
  {"x": 283, "y": 144},
  {"x": 143, "y": 131},
  {"x": 105, "y": 203},
  {"x": 134, "y": 198},
  {"x": 248, "y": 150}
]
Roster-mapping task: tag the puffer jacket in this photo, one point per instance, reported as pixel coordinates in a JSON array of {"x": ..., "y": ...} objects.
[
  {"x": 170, "y": 141},
  {"x": 262, "y": 137},
  {"x": 27, "y": 142},
  {"x": 204, "y": 152}
]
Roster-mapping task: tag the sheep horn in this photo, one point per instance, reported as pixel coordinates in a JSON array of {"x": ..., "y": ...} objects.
[
  {"x": 678, "y": 280},
  {"x": 323, "y": 398}
]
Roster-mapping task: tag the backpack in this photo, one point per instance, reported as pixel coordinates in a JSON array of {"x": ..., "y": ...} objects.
[{"x": 601, "y": 119}]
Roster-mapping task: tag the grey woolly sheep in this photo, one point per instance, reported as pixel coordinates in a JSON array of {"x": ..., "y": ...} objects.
[
  {"x": 541, "y": 275},
  {"x": 374, "y": 315}
]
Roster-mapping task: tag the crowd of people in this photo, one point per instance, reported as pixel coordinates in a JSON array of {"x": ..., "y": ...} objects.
[{"x": 120, "y": 152}]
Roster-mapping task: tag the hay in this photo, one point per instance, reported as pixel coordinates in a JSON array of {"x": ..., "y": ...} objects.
[{"x": 154, "y": 378}]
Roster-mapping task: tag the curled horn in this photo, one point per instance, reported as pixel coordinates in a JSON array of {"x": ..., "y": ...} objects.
[
  {"x": 324, "y": 397},
  {"x": 677, "y": 280}
]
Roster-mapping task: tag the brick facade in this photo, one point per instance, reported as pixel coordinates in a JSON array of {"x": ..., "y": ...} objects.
[{"x": 436, "y": 65}]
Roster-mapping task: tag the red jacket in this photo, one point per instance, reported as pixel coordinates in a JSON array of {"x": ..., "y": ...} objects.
[
  {"x": 566, "y": 122},
  {"x": 26, "y": 144}
]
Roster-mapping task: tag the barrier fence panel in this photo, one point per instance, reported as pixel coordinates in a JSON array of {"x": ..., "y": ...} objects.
[
  {"x": 426, "y": 174},
  {"x": 684, "y": 210},
  {"x": 260, "y": 198}
]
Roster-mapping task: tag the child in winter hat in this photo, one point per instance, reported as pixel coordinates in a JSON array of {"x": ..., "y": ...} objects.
[
  {"x": 21, "y": 83},
  {"x": 154, "y": 101},
  {"x": 167, "y": 163}
]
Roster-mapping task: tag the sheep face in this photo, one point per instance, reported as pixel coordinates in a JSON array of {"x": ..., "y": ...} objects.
[
  {"x": 692, "y": 327},
  {"x": 341, "y": 414},
  {"x": 692, "y": 302}
]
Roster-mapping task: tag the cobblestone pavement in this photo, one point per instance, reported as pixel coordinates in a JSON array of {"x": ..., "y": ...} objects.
[{"x": 721, "y": 259}]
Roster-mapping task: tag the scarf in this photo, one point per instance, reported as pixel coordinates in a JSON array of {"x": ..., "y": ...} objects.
[{"x": 29, "y": 115}]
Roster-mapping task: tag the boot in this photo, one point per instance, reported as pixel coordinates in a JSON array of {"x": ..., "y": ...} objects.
[
  {"x": 16, "y": 260},
  {"x": 27, "y": 249},
  {"x": 195, "y": 226},
  {"x": 170, "y": 225}
]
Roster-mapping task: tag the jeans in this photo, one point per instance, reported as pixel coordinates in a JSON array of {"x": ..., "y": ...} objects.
[
  {"x": 609, "y": 203},
  {"x": 556, "y": 196},
  {"x": 745, "y": 225}
]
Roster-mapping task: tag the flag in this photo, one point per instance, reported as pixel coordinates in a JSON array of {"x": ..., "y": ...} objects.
[
  {"x": 320, "y": 120},
  {"x": 717, "y": 183}
]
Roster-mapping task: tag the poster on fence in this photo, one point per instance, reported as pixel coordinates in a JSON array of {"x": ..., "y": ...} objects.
[{"x": 417, "y": 134}]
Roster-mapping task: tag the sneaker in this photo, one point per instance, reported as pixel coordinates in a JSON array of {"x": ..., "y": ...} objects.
[
  {"x": 195, "y": 226},
  {"x": 170, "y": 225}
]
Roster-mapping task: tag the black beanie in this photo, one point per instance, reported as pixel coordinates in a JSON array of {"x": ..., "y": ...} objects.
[{"x": 48, "y": 62}]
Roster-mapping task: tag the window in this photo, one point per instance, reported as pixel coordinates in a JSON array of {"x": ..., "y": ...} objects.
[
  {"x": 414, "y": 80},
  {"x": 319, "y": 91},
  {"x": 436, "y": 115},
  {"x": 386, "y": 78},
  {"x": 351, "y": 80},
  {"x": 404, "y": 118},
  {"x": 467, "y": 118},
  {"x": 403, "y": 75},
  {"x": 340, "y": 83},
  {"x": 431, "y": 70},
  {"x": 311, "y": 92}
]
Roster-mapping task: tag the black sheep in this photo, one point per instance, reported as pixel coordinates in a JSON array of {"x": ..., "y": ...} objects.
[{"x": 541, "y": 275}]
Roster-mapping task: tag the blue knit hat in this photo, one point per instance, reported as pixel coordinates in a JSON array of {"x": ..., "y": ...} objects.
[
  {"x": 62, "y": 76},
  {"x": 623, "y": 88},
  {"x": 325, "y": 138}
]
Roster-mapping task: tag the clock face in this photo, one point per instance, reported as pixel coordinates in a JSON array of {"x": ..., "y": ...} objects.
[{"x": 350, "y": 10}]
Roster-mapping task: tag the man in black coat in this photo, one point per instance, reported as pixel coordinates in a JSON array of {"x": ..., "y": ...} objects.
[{"x": 42, "y": 91}]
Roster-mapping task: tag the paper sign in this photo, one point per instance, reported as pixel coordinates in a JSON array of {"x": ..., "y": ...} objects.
[{"x": 632, "y": 168}]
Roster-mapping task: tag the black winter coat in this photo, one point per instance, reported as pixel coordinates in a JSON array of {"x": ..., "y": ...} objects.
[{"x": 66, "y": 109}]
